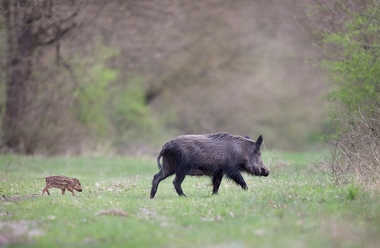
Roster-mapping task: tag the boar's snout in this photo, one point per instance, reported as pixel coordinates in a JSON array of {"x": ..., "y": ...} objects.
[
  {"x": 79, "y": 190},
  {"x": 261, "y": 171},
  {"x": 264, "y": 172}
]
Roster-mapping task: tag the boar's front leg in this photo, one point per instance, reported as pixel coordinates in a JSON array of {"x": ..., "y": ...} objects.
[
  {"x": 216, "y": 180},
  {"x": 180, "y": 176},
  {"x": 237, "y": 178}
]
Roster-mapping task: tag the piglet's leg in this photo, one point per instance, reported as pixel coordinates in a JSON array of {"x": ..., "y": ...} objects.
[
  {"x": 45, "y": 190},
  {"x": 63, "y": 191}
]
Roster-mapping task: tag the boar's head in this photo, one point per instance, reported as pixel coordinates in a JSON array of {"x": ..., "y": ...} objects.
[{"x": 256, "y": 165}]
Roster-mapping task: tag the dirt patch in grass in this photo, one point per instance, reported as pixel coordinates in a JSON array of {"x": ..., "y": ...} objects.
[
  {"x": 146, "y": 213},
  {"x": 18, "y": 198},
  {"x": 114, "y": 212},
  {"x": 19, "y": 232}
]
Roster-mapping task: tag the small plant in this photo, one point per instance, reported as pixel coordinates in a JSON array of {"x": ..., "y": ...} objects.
[
  {"x": 335, "y": 164},
  {"x": 353, "y": 193}
]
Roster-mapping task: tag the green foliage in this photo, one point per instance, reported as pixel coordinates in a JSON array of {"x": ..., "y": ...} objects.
[
  {"x": 353, "y": 60},
  {"x": 92, "y": 95},
  {"x": 128, "y": 108},
  {"x": 353, "y": 64},
  {"x": 353, "y": 193},
  {"x": 291, "y": 208},
  {"x": 112, "y": 108},
  {"x": 131, "y": 118}
]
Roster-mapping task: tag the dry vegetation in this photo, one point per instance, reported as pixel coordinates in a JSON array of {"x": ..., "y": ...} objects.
[{"x": 356, "y": 151}]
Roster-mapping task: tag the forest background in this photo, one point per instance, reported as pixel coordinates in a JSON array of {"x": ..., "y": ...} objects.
[
  {"x": 123, "y": 77},
  {"x": 83, "y": 80}
]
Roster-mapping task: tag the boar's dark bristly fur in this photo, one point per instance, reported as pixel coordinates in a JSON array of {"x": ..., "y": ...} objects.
[{"x": 213, "y": 155}]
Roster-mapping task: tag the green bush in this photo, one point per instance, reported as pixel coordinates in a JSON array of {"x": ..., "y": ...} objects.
[
  {"x": 353, "y": 65},
  {"x": 111, "y": 108},
  {"x": 92, "y": 94},
  {"x": 129, "y": 114},
  {"x": 353, "y": 60}
]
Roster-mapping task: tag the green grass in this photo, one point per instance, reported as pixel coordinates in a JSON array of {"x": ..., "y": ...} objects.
[{"x": 296, "y": 206}]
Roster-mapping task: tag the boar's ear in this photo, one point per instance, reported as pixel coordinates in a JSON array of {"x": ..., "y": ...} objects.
[{"x": 258, "y": 142}]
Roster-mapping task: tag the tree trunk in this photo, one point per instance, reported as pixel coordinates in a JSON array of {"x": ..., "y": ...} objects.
[{"x": 20, "y": 44}]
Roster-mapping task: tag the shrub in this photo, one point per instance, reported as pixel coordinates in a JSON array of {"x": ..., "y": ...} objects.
[
  {"x": 353, "y": 65},
  {"x": 356, "y": 149}
]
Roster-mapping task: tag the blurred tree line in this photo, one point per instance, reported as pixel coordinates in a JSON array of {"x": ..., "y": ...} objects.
[{"x": 93, "y": 76}]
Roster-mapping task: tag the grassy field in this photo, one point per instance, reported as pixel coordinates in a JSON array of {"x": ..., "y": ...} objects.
[{"x": 296, "y": 206}]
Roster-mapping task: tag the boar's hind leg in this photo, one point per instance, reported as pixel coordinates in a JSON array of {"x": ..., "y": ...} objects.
[
  {"x": 216, "y": 180},
  {"x": 238, "y": 178},
  {"x": 179, "y": 177},
  {"x": 161, "y": 175}
]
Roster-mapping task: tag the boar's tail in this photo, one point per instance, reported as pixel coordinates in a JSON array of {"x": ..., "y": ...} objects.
[{"x": 158, "y": 159}]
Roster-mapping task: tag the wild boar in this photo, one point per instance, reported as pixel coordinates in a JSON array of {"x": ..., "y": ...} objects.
[
  {"x": 213, "y": 155},
  {"x": 63, "y": 183}
]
